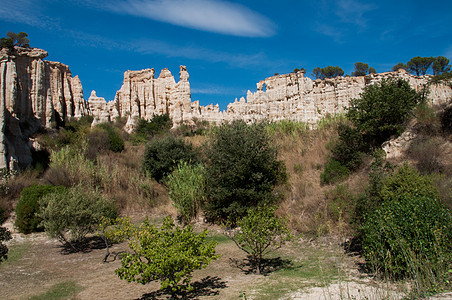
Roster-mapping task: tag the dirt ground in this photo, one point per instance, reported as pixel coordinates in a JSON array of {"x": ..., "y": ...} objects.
[{"x": 301, "y": 270}]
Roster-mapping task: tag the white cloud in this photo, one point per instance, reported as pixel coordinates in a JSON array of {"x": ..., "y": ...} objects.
[
  {"x": 352, "y": 11},
  {"x": 25, "y": 12},
  {"x": 208, "y": 15}
]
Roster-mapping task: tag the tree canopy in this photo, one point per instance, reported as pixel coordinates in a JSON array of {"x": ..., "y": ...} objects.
[
  {"x": 419, "y": 65},
  {"x": 15, "y": 39},
  {"x": 327, "y": 72},
  {"x": 360, "y": 69}
]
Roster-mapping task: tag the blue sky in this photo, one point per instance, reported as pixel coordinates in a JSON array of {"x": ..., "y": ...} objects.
[{"x": 227, "y": 46}]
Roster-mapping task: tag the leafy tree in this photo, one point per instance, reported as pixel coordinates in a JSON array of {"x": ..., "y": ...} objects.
[
  {"x": 168, "y": 254},
  {"x": 360, "y": 69},
  {"x": 186, "y": 189},
  {"x": 162, "y": 155},
  {"x": 349, "y": 149},
  {"x": 147, "y": 129},
  {"x": 5, "y": 235},
  {"x": 410, "y": 231},
  {"x": 28, "y": 206},
  {"x": 372, "y": 70},
  {"x": 382, "y": 110},
  {"x": 259, "y": 233},
  {"x": 440, "y": 65},
  {"x": 242, "y": 170},
  {"x": 419, "y": 65},
  {"x": 317, "y": 73},
  {"x": 71, "y": 214},
  {"x": 399, "y": 66},
  {"x": 15, "y": 39}
]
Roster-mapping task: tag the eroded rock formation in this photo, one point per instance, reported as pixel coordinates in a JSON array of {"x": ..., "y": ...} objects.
[
  {"x": 33, "y": 94},
  {"x": 36, "y": 93}
]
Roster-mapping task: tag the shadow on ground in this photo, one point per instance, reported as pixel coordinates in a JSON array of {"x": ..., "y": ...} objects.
[
  {"x": 208, "y": 286},
  {"x": 269, "y": 265},
  {"x": 87, "y": 245}
]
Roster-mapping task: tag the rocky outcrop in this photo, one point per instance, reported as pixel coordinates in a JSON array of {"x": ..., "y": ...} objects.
[{"x": 33, "y": 94}]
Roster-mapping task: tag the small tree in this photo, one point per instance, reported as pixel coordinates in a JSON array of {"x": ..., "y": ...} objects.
[
  {"x": 372, "y": 70},
  {"x": 15, "y": 39},
  {"x": 168, "y": 254},
  {"x": 260, "y": 232},
  {"x": 71, "y": 214},
  {"x": 186, "y": 189},
  {"x": 440, "y": 65},
  {"x": 399, "y": 66},
  {"x": 242, "y": 170},
  {"x": 419, "y": 65},
  {"x": 162, "y": 155},
  {"x": 5, "y": 236},
  {"x": 360, "y": 69},
  {"x": 382, "y": 110}
]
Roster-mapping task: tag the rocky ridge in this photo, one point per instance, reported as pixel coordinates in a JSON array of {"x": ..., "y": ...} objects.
[{"x": 38, "y": 94}]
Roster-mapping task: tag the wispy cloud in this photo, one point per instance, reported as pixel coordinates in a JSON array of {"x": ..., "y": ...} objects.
[
  {"x": 147, "y": 46},
  {"x": 352, "y": 11},
  {"x": 207, "y": 15},
  {"x": 25, "y": 12}
]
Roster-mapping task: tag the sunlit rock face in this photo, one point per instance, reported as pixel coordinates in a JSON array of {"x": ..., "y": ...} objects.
[
  {"x": 41, "y": 94},
  {"x": 34, "y": 94}
]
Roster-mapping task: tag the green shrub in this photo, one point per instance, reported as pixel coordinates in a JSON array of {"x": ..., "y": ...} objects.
[
  {"x": 260, "y": 232},
  {"x": 70, "y": 214},
  {"x": 348, "y": 150},
  {"x": 5, "y": 236},
  {"x": 333, "y": 172},
  {"x": 163, "y": 154},
  {"x": 408, "y": 236},
  {"x": 409, "y": 231},
  {"x": 242, "y": 170},
  {"x": 116, "y": 143},
  {"x": 186, "y": 188},
  {"x": 28, "y": 206},
  {"x": 382, "y": 110},
  {"x": 168, "y": 254},
  {"x": 147, "y": 129}
]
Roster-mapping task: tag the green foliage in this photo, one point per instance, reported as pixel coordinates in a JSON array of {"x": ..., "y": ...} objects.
[
  {"x": 71, "y": 214},
  {"x": 399, "y": 66},
  {"x": 286, "y": 128},
  {"x": 440, "y": 65},
  {"x": 163, "y": 154},
  {"x": 341, "y": 203},
  {"x": 360, "y": 69},
  {"x": 168, "y": 254},
  {"x": 147, "y": 129},
  {"x": 15, "y": 39},
  {"x": 348, "y": 150},
  {"x": 186, "y": 188},
  {"x": 382, "y": 110},
  {"x": 408, "y": 235},
  {"x": 28, "y": 205},
  {"x": 116, "y": 143},
  {"x": 333, "y": 172},
  {"x": 407, "y": 232},
  {"x": 327, "y": 72},
  {"x": 5, "y": 236},
  {"x": 419, "y": 65},
  {"x": 260, "y": 232},
  {"x": 242, "y": 170},
  {"x": 372, "y": 70},
  {"x": 60, "y": 291}
]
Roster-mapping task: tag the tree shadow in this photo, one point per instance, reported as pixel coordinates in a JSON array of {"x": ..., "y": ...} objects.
[
  {"x": 208, "y": 286},
  {"x": 85, "y": 246},
  {"x": 269, "y": 265},
  {"x": 354, "y": 247}
]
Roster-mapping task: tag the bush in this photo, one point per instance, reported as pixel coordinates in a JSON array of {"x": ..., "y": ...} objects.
[
  {"x": 259, "y": 233},
  {"x": 186, "y": 189},
  {"x": 147, "y": 129},
  {"x": 408, "y": 236},
  {"x": 242, "y": 170},
  {"x": 169, "y": 254},
  {"x": 333, "y": 172},
  {"x": 71, "y": 214},
  {"x": 28, "y": 205},
  {"x": 446, "y": 120},
  {"x": 162, "y": 155},
  {"x": 5, "y": 236},
  {"x": 409, "y": 232},
  {"x": 116, "y": 143},
  {"x": 382, "y": 110}
]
